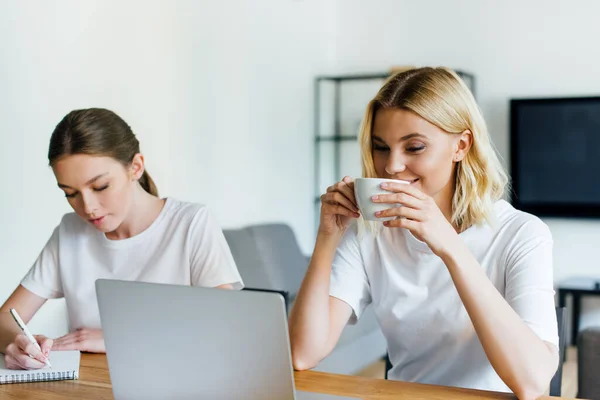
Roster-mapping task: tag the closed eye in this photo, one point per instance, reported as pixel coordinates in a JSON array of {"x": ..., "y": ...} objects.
[
  {"x": 415, "y": 149},
  {"x": 379, "y": 147},
  {"x": 71, "y": 195},
  {"x": 101, "y": 188}
]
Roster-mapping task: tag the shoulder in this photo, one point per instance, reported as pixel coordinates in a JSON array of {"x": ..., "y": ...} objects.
[
  {"x": 180, "y": 207},
  {"x": 193, "y": 216},
  {"x": 519, "y": 225},
  {"x": 183, "y": 211}
]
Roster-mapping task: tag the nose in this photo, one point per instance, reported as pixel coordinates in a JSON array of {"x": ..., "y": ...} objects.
[
  {"x": 395, "y": 163},
  {"x": 89, "y": 203}
]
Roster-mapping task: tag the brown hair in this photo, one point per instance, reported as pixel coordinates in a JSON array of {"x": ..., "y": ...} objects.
[{"x": 97, "y": 132}]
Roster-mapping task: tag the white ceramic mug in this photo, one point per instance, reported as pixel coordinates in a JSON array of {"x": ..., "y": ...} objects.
[{"x": 364, "y": 189}]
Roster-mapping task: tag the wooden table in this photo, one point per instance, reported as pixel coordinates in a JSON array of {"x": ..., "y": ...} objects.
[{"x": 94, "y": 383}]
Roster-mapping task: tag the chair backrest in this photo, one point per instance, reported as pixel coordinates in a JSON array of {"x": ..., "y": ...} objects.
[
  {"x": 588, "y": 363},
  {"x": 247, "y": 258},
  {"x": 281, "y": 256},
  {"x": 556, "y": 382},
  {"x": 268, "y": 257}
]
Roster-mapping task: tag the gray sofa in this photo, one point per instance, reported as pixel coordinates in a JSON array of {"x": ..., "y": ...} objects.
[{"x": 268, "y": 257}]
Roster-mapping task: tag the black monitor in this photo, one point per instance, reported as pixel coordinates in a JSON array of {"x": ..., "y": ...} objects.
[{"x": 555, "y": 156}]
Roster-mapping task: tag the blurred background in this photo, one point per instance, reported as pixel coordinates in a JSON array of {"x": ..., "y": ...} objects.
[{"x": 222, "y": 97}]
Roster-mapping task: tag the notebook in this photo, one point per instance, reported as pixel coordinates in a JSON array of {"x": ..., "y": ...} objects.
[{"x": 65, "y": 365}]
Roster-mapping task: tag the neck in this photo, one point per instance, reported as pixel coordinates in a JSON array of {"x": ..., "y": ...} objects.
[
  {"x": 443, "y": 199},
  {"x": 144, "y": 210}
]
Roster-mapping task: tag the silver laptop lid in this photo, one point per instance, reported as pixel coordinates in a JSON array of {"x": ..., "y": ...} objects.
[{"x": 181, "y": 342}]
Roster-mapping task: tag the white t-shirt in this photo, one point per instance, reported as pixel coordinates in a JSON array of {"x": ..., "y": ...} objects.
[
  {"x": 183, "y": 246},
  {"x": 429, "y": 334}
]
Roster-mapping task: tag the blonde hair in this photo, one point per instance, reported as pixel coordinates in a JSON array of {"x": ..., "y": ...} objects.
[{"x": 439, "y": 96}]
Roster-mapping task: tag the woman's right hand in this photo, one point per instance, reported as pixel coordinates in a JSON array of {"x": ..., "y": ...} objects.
[
  {"x": 17, "y": 354},
  {"x": 338, "y": 207}
]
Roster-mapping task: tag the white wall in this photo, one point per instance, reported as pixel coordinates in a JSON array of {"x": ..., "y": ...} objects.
[
  {"x": 219, "y": 94},
  {"x": 515, "y": 49}
]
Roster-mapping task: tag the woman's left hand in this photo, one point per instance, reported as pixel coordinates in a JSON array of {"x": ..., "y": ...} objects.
[
  {"x": 83, "y": 339},
  {"x": 419, "y": 214}
]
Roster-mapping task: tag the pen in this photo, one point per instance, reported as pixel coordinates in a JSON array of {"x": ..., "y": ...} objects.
[{"x": 23, "y": 327}]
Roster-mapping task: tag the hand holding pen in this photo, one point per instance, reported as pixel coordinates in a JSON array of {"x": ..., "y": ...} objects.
[{"x": 27, "y": 351}]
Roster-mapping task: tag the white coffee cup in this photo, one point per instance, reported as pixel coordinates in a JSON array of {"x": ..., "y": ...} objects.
[{"x": 364, "y": 189}]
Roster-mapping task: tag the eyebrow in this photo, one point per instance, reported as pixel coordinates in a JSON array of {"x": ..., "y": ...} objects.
[
  {"x": 403, "y": 138},
  {"x": 94, "y": 179}
]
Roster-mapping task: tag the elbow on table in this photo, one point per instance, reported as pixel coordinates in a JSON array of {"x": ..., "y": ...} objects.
[{"x": 302, "y": 361}]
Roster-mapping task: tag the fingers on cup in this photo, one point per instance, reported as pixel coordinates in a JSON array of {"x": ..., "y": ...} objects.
[
  {"x": 341, "y": 210},
  {"x": 339, "y": 198},
  {"x": 411, "y": 225},
  {"x": 347, "y": 182},
  {"x": 346, "y": 190},
  {"x": 401, "y": 212},
  {"x": 337, "y": 203}
]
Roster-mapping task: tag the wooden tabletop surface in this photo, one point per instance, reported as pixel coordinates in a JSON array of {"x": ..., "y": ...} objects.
[{"x": 94, "y": 383}]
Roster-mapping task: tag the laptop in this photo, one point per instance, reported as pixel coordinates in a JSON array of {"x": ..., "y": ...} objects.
[{"x": 182, "y": 342}]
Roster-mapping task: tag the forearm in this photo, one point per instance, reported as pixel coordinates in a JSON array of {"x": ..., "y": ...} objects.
[
  {"x": 8, "y": 330},
  {"x": 523, "y": 361},
  {"x": 309, "y": 318}
]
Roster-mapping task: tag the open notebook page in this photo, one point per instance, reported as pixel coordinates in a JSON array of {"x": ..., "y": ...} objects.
[{"x": 65, "y": 365}]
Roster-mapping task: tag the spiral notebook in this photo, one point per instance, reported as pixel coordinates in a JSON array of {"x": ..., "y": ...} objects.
[{"x": 65, "y": 365}]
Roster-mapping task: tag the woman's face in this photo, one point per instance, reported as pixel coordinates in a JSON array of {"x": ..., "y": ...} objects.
[
  {"x": 100, "y": 189},
  {"x": 407, "y": 147}
]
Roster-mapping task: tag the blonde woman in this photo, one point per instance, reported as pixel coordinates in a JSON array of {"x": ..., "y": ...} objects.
[{"x": 460, "y": 281}]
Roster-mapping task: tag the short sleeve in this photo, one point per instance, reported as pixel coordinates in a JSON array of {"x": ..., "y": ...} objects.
[
  {"x": 349, "y": 281},
  {"x": 211, "y": 260},
  {"x": 529, "y": 279},
  {"x": 43, "y": 279}
]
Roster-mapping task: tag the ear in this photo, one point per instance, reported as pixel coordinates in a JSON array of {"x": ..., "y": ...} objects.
[
  {"x": 136, "y": 168},
  {"x": 463, "y": 145}
]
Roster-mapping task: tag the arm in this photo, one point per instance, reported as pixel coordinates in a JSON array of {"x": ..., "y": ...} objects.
[
  {"x": 226, "y": 286},
  {"x": 13, "y": 342},
  {"x": 317, "y": 320},
  {"x": 524, "y": 362},
  {"x": 26, "y": 304},
  {"x": 211, "y": 261},
  {"x": 520, "y": 357}
]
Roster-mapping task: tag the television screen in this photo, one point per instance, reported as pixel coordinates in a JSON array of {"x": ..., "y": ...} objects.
[{"x": 555, "y": 156}]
